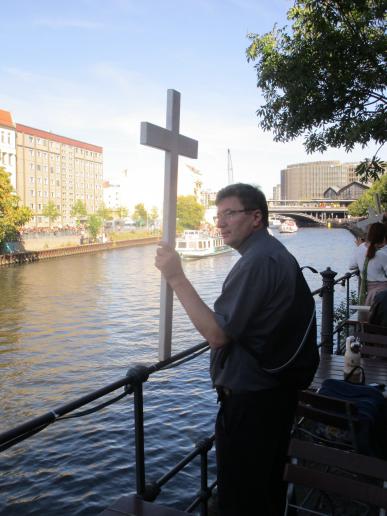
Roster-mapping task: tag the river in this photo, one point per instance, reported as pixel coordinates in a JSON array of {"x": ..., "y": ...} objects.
[{"x": 71, "y": 325}]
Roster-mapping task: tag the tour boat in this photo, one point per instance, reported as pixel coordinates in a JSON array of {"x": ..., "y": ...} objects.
[
  {"x": 196, "y": 244},
  {"x": 288, "y": 226}
]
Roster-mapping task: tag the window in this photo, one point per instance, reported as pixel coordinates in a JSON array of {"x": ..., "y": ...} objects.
[
  {"x": 32, "y": 179},
  {"x": 31, "y": 139},
  {"x": 32, "y": 192}
]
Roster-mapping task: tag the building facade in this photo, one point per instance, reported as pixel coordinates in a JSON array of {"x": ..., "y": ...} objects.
[
  {"x": 307, "y": 181},
  {"x": 57, "y": 169},
  {"x": 8, "y": 145}
]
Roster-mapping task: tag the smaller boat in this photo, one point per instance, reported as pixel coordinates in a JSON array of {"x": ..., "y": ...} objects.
[
  {"x": 195, "y": 244},
  {"x": 288, "y": 226},
  {"x": 274, "y": 223}
]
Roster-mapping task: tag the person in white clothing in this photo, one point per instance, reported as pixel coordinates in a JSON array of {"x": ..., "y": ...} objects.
[{"x": 370, "y": 258}]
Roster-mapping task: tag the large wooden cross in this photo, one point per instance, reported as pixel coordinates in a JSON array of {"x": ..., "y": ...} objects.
[{"x": 174, "y": 144}]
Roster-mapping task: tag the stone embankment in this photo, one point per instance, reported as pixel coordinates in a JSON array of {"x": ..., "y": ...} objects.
[{"x": 45, "y": 254}]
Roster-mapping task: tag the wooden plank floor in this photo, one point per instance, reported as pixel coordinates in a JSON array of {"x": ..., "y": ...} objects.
[{"x": 332, "y": 366}]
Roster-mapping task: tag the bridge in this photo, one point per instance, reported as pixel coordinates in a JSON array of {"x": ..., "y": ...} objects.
[{"x": 317, "y": 211}]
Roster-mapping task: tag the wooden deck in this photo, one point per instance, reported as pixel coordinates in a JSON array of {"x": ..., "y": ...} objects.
[{"x": 331, "y": 366}]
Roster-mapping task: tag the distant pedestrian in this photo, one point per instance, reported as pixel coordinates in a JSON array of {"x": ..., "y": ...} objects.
[{"x": 370, "y": 258}]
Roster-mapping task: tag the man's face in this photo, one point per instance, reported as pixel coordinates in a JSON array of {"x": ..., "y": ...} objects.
[{"x": 235, "y": 223}]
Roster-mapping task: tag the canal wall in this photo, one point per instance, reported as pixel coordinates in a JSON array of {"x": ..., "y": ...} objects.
[{"x": 46, "y": 254}]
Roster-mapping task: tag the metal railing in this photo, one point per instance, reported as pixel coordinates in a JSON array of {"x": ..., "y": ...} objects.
[{"x": 133, "y": 382}]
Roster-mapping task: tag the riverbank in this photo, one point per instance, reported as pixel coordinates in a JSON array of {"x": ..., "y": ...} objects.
[{"x": 44, "y": 254}]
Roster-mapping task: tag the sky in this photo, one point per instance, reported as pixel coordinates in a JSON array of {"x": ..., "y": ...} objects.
[{"x": 93, "y": 70}]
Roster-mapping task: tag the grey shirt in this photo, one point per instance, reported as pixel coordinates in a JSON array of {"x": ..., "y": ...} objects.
[{"x": 256, "y": 293}]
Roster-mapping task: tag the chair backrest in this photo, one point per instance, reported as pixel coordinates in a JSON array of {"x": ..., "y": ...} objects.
[
  {"x": 328, "y": 411},
  {"x": 303, "y": 471},
  {"x": 372, "y": 343}
]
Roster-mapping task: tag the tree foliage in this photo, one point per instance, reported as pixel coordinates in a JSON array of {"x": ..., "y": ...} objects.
[
  {"x": 360, "y": 207},
  {"x": 140, "y": 215},
  {"x": 51, "y": 211},
  {"x": 78, "y": 210},
  {"x": 326, "y": 79},
  {"x": 94, "y": 224},
  {"x": 153, "y": 214},
  {"x": 189, "y": 213},
  {"x": 105, "y": 213},
  {"x": 12, "y": 216}
]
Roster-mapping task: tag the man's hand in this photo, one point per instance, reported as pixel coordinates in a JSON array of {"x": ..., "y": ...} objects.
[{"x": 169, "y": 263}]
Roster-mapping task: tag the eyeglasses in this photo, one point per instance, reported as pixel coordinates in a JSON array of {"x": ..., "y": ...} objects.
[{"x": 229, "y": 214}]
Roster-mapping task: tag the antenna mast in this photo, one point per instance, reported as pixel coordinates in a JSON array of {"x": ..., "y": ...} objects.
[{"x": 230, "y": 170}]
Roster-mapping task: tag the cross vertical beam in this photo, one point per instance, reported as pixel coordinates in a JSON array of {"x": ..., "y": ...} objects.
[{"x": 174, "y": 144}]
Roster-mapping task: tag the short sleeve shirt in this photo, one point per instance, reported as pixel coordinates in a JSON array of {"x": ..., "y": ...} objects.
[{"x": 255, "y": 295}]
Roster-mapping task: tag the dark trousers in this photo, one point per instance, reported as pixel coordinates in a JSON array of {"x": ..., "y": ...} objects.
[{"x": 252, "y": 435}]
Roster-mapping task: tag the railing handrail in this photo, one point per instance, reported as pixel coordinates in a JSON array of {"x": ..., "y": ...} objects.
[{"x": 35, "y": 425}]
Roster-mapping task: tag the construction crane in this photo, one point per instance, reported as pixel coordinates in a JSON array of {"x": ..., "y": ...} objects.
[{"x": 230, "y": 170}]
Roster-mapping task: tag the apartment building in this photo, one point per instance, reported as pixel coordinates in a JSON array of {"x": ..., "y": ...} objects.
[
  {"x": 53, "y": 168},
  {"x": 307, "y": 181},
  {"x": 8, "y": 144}
]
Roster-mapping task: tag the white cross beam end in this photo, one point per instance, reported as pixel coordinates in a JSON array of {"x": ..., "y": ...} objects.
[{"x": 174, "y": 144}]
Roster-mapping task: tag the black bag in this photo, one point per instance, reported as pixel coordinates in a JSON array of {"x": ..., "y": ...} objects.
[
  {"x": 291, "y": 353},
  {"x": 370, "y": 403}
]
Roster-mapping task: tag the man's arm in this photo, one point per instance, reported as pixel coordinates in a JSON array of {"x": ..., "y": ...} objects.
[{"x": 202, "y": 317}]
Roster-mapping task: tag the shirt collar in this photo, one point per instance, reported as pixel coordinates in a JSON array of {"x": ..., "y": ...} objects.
[{"x": 256, "y": 236}]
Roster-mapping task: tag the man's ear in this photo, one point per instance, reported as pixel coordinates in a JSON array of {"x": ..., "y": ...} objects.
[{"x": 257, "y": 218}]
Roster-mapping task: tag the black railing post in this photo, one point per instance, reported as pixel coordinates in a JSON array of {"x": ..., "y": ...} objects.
[
  {"x": 327, "y": 293},
  {"x": 139, "y": 374},
  {"x": 204, "y": 481},
  {"x": 139, "y": 438}
]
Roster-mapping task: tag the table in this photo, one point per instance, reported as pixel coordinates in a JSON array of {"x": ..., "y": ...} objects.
[{"x": 332, "y": 366}]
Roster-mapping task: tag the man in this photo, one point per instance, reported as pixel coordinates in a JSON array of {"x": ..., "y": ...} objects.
[{"x": 256, "y": 412}]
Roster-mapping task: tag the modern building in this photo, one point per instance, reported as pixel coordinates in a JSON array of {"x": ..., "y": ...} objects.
[
  {"x": 112, "y": 194},
  {"x": 277, "y": 192},
  {"x": 53, "y": 168},
  {"x": 307, "y": 181},
  {"x": 8, "y": 144}
]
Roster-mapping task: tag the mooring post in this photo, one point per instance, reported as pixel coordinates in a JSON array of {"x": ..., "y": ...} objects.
[{"x": 328, "y": 277}]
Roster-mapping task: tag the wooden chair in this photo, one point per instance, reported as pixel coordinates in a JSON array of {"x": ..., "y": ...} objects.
[
  {"x": 365, "y": 478},
  {"x": 316, "y": 412},
  {"x": 373, "y": 343}
]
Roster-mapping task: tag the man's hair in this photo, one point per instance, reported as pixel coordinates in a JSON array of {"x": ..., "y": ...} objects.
[{"x": 251, "y": 198}]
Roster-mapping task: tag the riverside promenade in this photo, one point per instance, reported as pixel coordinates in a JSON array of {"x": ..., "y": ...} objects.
[{"x": 36, "y": 251}]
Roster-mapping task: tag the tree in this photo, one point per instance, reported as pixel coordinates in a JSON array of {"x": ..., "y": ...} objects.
[
  {"x": 12, "y": 216},
  {"x": 326, "y": 80},
  {"x": 78, "y": 210},
  {"x": 121, "y": 212},
  {"x": 105, "y": 213},
  {"x": 140, "y": 215},
  {"x": 94, "y": 224},
  {"x": 51, "y": 211},
  {"x": 189, "y": 212},
  {"x": 153, "y": 215},
  {"x": 360, "y": 207}
]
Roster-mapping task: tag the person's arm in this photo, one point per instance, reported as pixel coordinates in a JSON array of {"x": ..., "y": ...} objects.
[{"x": 202, "y": 317}]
